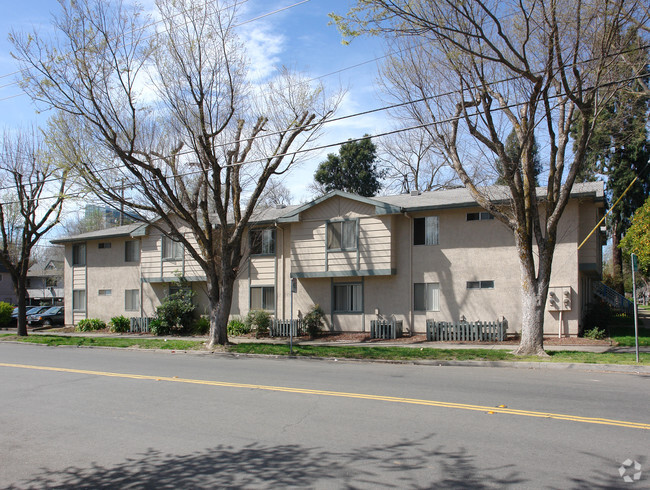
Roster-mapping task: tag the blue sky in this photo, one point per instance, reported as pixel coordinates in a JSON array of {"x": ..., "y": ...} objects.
[{"x": 298, "y": 37}]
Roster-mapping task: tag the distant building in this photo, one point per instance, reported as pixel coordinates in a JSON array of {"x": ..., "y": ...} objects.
[
  {"x": 110, "y": 217},
  {"x": 7, "y": 293},
  {"x": 45, "y": 283}
]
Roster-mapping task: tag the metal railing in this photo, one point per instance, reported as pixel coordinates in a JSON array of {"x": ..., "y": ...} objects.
[{"x": 613, "y": 298}]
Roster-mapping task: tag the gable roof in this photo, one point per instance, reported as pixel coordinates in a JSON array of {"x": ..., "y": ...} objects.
[{"x": 133, "y": 229}]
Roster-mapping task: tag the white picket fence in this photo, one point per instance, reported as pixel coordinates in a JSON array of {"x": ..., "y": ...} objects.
[
  {"x": 467, "y": 331},
  {"x": 283, "y": 328},
  {"x": 140, "y": 324}
]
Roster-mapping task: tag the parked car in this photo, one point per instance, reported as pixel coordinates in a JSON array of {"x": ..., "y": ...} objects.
[
  {"x": 31, "y": 310},
  {"x": 51, "y": 316}
]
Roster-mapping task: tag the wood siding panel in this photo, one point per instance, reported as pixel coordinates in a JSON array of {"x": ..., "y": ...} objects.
[{"x": 262, "y": 270}]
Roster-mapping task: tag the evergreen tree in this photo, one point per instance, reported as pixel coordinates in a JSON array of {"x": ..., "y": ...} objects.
[
  {"x": 513, "y": 151},
  {"x": 352, "y": 170}
]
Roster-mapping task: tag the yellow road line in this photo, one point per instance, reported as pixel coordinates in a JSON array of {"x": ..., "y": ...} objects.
[{"x": 361, "y": 396}]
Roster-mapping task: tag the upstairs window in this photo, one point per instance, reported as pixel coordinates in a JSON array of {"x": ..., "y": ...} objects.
[
  {"x": 425, "y": 231},
  {"x": 342, "y": 235},
  {"x": 79, "y": 254},
  {"x": 132, "y": 251},
  {"x": 480, "y": 284},
  {"x": 482, "y": 216},
  {"x": 262, "y": 242},
  {"x": 171, "y": 250}
]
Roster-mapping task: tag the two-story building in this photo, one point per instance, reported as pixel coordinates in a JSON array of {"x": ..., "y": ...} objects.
[{"x": 414, "y": 257}]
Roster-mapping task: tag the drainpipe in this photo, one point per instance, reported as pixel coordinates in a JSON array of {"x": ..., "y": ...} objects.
[{"x": 410, "y": 242}]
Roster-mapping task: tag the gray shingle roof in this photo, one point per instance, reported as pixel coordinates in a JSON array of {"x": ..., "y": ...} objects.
[{"x": 115, "y": 232}]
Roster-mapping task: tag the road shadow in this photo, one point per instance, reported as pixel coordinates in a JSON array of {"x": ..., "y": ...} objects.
[{"x": 406, "y": 464}]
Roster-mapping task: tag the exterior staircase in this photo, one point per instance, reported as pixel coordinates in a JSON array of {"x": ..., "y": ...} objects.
[{"x": 613, "y": 298}]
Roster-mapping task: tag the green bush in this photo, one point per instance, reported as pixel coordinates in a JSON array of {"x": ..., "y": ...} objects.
[
  {"x": 5, "y": 314},
  {"x": 175, "y": 314},
  {"x": 120, "y": 324},
  {"x": 595, "y": 333},
  {"x": 313, "y": 321},
  {"x": 258, "y": 320},
  {"x": 90, "y": 324},
  {"x": 201, "y": 326},
  {"x": 237, "y": 326},
  {"x": 157, "y": 328}
]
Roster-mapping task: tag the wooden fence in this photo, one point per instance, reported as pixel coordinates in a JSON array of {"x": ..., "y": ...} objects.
[
  {"x": 385, "y": 329},
  {"x": 139, "y": 324},
  {"x": 467, "y": 331},
  {"x": 281, "y": 328}
]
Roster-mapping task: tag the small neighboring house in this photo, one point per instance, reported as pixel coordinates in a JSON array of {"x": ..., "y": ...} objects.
[
  {"x": 413, "y": 257},
  {"x": 45, "y": 283},
  {"x": 7, "y": 292}
]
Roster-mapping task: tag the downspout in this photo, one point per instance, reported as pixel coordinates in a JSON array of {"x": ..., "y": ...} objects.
[{"x": 410, "y": 242}]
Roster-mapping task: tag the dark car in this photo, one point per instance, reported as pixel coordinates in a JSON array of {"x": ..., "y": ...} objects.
[
  {"x": 51, "y": 316},
  {"x": 31, "y": 310}
]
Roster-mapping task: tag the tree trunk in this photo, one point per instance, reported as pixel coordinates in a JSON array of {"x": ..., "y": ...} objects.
[
  {"x": 220, "y": 292},
  {"x": 21, "y": 319}
]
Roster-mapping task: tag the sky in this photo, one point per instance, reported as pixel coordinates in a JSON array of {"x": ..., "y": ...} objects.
[{"x": 298, "y": 37}]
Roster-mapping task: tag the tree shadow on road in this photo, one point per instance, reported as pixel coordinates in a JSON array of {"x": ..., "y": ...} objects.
[{"x": 406, "y": 464}]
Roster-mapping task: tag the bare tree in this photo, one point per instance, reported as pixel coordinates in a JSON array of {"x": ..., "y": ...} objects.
[
  {"x": 479, "y": 69},
  {"x": 167, "y": 109},
  {"x": 31, "y": 210}
]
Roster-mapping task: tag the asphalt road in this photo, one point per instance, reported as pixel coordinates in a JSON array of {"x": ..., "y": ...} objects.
[{"x": 102, "y": 418}]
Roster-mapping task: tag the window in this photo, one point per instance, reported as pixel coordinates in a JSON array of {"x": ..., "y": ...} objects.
[
  {"x": 482, "y": 216},
  {"x": 51, "y": 282},
  {"x": 104, "y": 292},
  {"x": 425, "y": 231},
  {"x": 342, "y": 235},
  {"x": 79, "y": 300},
  {"x": 348, "y": 298},
  {"x": 263, "y": 298},
  {"x": 262, "y": 241},
  {"x": 171, "y": 250},
  {"x": 480, "y": 284},
  {"x": 426, "y": 296},
  {"x": 131, "y": 251},
  {"x": 132, "y": 299},
  {"x": 104, "y": 245},
  {"x": 79, "y": 254}
]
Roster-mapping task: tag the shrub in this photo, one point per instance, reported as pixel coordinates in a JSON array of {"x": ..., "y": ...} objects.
[
  {"x": 258, "y": 320},
  {"x": 201, "y": 326},
  {"x": 175, "y": 314},
  {"x": 90, "y": 324},
  {"x": 5, "y": 314},
  {"x": 157, "y": 328},
  {"x": 595, "y": 333},
  {"x": 237, "y": 326},
  {"x": 313, "y": 321},
  {"x": 120, "y": 324}
]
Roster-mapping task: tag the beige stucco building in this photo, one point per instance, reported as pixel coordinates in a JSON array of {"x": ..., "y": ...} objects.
[{"x": 413, "y": 257}]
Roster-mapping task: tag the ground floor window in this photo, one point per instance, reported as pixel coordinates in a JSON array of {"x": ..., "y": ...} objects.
[
  {"x": 79, "y": 300},
  {"x": 348, "y": 298},
  {"x": 262, "y": 298},
  {"x": 426, "y": 296},
  {"x": 480, "y": 284},
  {"x": 132, "y": 299}
]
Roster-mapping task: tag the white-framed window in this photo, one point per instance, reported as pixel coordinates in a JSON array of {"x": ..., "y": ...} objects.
[
  {"x": 79, "y": 254},
  {"x": 104, "y": 292},
  {"x": 104, "y": 245},
  {"x": 79, "y": 300},
  {"x": 426, "y": 296},
  {"x": 482, "y": 216},
  {"x": 262, "y": 241},
  {"x": 132, "y": 299},
  {"x": 425, "y": 230},
  {"x": 348, "y": 298},
  {"x": 171, "y": 250},
  {"x": 480, "y": 284},
  {"x": 262, "y": 298},
  {"x": 132, "y": 251},
  {"x": 342, "y": 235}
]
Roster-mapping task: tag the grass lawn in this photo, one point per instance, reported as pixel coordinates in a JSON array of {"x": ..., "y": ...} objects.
[
  {"x": 621, "y": 330},
  {"x": 169, "y": 344},
  {"x": 342, "y": 352}
]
